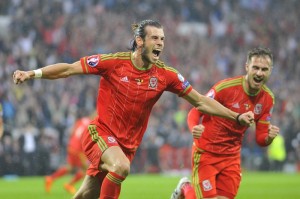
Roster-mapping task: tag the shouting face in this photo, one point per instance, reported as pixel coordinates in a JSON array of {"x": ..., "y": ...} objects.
[
  {"x": 258, "y": 72},
  {"x": 153, "y": 44}
]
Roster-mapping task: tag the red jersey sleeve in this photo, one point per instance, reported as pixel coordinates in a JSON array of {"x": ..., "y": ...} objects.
[
  {"x": 193, "y": 118},
  {"x": 262, "y": 126},
  {"x": 177, "y": 83},
  {"x": 261, "y": 134},
  {"x": 98, "y": 64}
]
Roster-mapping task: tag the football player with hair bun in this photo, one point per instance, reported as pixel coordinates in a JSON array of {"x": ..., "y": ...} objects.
[{"x": 131, "y": 83}]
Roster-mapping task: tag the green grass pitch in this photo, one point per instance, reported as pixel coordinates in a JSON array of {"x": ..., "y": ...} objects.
[{"x": 258, "y": 185}]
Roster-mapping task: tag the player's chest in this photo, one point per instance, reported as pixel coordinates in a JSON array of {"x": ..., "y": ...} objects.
[
  {"x": 136, "y": 83},
  {"x": 244, "y": 103}
]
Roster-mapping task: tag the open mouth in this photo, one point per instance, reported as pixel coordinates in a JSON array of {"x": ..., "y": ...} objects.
[
  {"x": 156, "y": 53},
  {"x": 258, "y": 80}
]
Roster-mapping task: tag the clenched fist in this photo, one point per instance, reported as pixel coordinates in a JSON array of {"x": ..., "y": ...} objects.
[
  {"x": 246, "y": 119},
  {"x": 273, "y": 131},
  {"x": 20, "y": 76},
  {"x": 197, "y": 131}
]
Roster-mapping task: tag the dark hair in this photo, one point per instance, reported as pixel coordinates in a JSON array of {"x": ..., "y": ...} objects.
[
  {"x": 260, "y": 52},
  {"x": 139, "y": 30}
]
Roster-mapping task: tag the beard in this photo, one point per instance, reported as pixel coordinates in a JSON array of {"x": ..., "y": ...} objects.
[{"x": 145, "y": 55}]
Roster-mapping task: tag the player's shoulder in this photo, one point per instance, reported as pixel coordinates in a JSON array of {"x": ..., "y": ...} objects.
[
  {"x": 162, "y": 66},
  {"x": 85, "y": 120},
  {"x": 117, "y": 55},
  {"x": 267, "y": 91},
  {"x": 228, "y": 83}
]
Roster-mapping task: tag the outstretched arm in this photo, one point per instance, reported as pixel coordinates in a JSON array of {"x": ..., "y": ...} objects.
[
  {"x": 55, "y": 71},
  {"x": 212, "y": 107}
]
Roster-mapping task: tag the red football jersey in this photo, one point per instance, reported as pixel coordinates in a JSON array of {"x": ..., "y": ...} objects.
[
  {"x": 127, "y": 94},
  {"x": 75, "y": 138},
  {"x": 223, "y": 136}
]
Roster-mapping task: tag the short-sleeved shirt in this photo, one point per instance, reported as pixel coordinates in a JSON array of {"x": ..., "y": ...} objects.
[{"x": 127, "y": 93}]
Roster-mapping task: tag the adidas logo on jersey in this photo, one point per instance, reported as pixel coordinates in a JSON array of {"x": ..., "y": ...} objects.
[
  {"x": 236, "y": 105},
  {"x": 124, "y": 79}
]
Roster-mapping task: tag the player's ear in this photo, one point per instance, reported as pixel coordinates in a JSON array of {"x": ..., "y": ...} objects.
[
  {"x": 246, "y": 66},
  {"x": 139, "y": 41}
]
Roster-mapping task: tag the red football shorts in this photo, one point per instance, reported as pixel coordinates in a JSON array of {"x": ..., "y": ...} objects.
[
  {"x": 215, "y": 175},
  {"x": 94, "y": 144},
  {"x": 74, "y": 159}
]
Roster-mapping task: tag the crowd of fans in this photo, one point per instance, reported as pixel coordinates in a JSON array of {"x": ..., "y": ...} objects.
[{"x": 205, "y": 40}]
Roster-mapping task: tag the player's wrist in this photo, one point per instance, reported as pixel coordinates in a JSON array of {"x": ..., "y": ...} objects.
[
  {"x": 269, "y": 140},
  {"x": 238, "y": 118},
  {"x": 37, "y": 73}
]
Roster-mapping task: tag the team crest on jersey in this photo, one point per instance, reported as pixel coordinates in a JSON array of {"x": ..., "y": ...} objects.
[
  {"x": 153, "y": 82},
  {"x": 206, "y": 185},
  {"x": 111, "y": 139},
  {"x": 93, "y": 60},
  {"x": 258, "y": 108}
]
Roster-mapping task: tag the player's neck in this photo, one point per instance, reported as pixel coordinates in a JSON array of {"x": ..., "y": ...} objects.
[
  {"x": 138, "y": 62},
  {"x": 247, "y": 87}
]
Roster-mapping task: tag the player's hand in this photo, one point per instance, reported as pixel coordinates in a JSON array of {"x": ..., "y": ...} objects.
[
  {"x": 273, "y": 131},
  {"x": 20, "y": 76},
  {"x": 197, "y": 131},
  {"x": 246, "y": 119}
]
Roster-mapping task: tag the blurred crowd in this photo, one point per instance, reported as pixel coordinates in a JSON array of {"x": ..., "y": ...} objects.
[{"x": 205, "y": 40}]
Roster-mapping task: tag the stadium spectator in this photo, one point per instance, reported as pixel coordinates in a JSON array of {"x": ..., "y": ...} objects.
[
  {"x": 10, "y": 157},
  {"x": 76, "y": 160},
  {"x": 28, "y": 142},
  {"x": 217, "y": 145},
  {"x": 277, "y": 154},
  {"x": 131, "y": 84},
  {"x": 1, "y": 122}
]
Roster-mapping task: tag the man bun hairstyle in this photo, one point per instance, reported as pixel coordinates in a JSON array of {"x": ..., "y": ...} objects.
[{"x": 139, "y": 30}]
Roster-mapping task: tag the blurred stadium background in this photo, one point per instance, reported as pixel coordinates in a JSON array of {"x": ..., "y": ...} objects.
[{"x": 206, "y": 40}]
